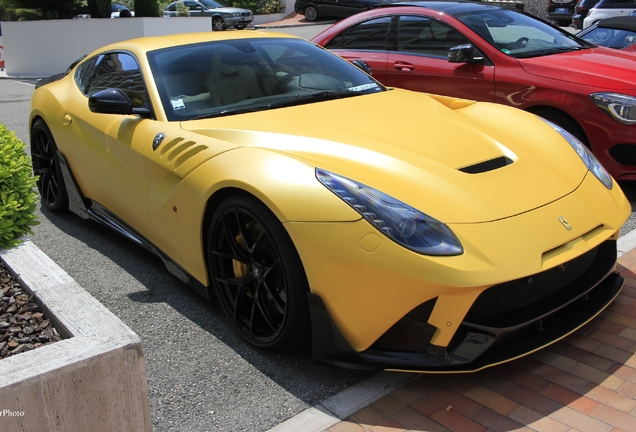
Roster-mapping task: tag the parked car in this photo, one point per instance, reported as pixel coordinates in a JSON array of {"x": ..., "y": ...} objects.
[
  {"x": 618, "y": 33},
  {"x": 561, "y": 11},
  {"x": 120, "y": 10},
  {"x": 487, "y": 53},
  {"x": 393, "y": 229},
  {"x": 222, "y": 16},
  {"x": 608, "y": 9},
  {"x": 315, "y": 9},
  {"x": 580, "y": 12}
]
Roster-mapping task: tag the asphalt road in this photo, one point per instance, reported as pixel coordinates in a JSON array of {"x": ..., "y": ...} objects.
[{"x": 201, "y": 375}]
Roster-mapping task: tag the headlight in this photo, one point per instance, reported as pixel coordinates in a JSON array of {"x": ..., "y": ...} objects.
[
  {"x": 401, "y": 223},
  {"x": 621, "y": 108},
  {"x": 235, "y": 14},
  {"x": 586, "y": 156}
]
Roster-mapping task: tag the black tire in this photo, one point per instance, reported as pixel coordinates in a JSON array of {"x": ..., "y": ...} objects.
[
  {"x": 565, "y": 121},
  {"x": 311, "y": 13},
  {"x": 46, "y": 165},
  {"x": 218, "y": 24},
  {"x": 239, "y": 27},
  {"x": 257, "y": 274}
]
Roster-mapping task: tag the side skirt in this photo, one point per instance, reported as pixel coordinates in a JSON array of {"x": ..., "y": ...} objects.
[{"x": 87, "y": 209}]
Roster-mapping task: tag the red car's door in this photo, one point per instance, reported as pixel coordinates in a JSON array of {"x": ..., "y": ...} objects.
[{"x": 419, "y": 61}]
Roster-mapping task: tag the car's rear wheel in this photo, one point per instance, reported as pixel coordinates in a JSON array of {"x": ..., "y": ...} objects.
[
  {"x": 218, "y": 24},
  {"x": 46, "y": 166},
  {"x": 257, "y": 274},
  {"x": 311, "y": 13}
]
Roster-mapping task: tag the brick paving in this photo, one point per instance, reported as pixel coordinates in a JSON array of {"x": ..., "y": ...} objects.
[{"x": 586, "y": 383}]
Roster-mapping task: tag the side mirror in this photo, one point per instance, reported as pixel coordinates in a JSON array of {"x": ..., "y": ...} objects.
[
  {"x": 114, "y": 101},
  {"x": 362, "y": 65},
  {"x": 463, "y": 54}
]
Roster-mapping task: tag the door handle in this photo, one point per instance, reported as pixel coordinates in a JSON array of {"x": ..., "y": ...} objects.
[{"x": 404, "y": 66}]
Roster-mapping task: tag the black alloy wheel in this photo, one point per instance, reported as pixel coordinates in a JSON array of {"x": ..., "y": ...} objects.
[
  {"x": 257, "y": 274},
  {"x": 46, "y": 166}
]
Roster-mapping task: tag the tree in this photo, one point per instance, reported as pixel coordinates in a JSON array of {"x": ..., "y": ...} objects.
[
  {"x": 99, "y": 8},
  {"x": 41, "y": 9},
  {"x": 146, "y": 8}
]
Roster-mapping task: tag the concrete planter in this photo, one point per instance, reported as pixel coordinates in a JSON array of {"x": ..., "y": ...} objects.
[{"x": 94, "y": 380}]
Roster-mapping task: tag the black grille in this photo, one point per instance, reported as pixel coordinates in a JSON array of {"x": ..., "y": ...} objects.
[{"x": 524, "y": 300}]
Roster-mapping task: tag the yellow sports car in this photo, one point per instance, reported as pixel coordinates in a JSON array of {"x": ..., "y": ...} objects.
[{"x": 392, "y": 229}]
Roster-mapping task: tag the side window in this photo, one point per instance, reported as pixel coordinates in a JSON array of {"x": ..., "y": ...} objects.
[
  {"x": 119, "y": 70},
  {"x": 84, "y": 72},
  {"x": 192, "y": 5},
  {"x": 368, "y": 35},
  {"x": 172, "y": 7},
  {"x": 420, "y": 35}
]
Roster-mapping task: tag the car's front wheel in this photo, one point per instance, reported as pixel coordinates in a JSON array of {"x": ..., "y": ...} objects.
[
  {"x": 257, "y": 274},
  {"x": 311, "y": 13},
  {"x": 218, "y": 24},
  {"x": 239, "y": 27},
  {"x": 46, "y": 166},
  {"x": 565, "y": 121}
]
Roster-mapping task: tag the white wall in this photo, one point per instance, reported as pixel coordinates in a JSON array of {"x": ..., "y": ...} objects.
[{"x": 42, "y": 48}]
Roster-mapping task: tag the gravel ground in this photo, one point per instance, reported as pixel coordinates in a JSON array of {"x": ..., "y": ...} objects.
[{"x": 23, "y": 327}]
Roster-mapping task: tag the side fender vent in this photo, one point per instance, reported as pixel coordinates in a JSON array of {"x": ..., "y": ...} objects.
[{"x": 489, "y": 165}]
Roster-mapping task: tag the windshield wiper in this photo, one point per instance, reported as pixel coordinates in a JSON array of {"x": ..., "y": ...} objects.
[
  {"x": 316, "y": 96},
  {"x": 547, "y": 51},
  {"x": 228, "y": 112}
]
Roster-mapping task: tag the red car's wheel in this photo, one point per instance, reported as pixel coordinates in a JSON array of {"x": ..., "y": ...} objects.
[{"x": 257, "y": 274}]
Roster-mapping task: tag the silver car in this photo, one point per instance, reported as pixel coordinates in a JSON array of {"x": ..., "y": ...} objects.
[{"x": 222, "y": 16}]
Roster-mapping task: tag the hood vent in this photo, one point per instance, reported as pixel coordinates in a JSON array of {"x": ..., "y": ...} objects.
[{"x": 486, "y": 166}]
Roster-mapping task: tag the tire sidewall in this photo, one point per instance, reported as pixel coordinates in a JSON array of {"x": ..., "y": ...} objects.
[{"x": 295, "y": 326}]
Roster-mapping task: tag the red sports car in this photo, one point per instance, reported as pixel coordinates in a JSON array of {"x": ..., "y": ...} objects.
[{"x": 488, "y": 53}]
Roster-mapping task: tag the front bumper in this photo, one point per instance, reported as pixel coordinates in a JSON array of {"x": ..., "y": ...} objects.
[
  {"x": 238, "y": 21},
  {"x": 376, "y": 305},
  {"x": 507, "y": 321}
]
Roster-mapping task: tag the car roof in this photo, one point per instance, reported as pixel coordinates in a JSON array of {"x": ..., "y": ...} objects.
[
  {"x": 451, "y": 6},
  {"x": 621, "y": 23}
]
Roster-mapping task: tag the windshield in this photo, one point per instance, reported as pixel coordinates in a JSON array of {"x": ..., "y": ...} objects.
[
  {"x": 236, "y": 76},
  {"x": 211, "y": 4},
  {"x": 519, "y": 35},
  {"x": 611, "y": 38}
]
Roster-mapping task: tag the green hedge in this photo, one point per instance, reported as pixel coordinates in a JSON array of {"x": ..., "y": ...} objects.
[{"x": 17, "y": 195}]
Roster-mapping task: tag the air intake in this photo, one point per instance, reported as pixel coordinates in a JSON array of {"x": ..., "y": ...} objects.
[{"x": 486, "y": 166}]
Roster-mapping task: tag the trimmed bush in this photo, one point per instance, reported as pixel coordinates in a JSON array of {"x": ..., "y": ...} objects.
[
  {"x": 17, "y": 195},
  {"x": 259, "y": 7}
]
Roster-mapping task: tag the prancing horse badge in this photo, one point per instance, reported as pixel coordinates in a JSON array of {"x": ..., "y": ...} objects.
[{"x": 565, "y": 223}]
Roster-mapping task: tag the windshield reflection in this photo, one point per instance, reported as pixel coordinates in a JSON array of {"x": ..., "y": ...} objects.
[{"x": 519, "y": 35}]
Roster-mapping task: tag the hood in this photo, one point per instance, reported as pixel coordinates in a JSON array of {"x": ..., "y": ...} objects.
[
  {"x": 603, "y": 68},
  {"x": 456, "y": 160}
]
